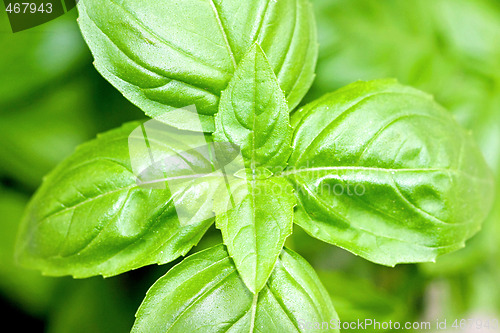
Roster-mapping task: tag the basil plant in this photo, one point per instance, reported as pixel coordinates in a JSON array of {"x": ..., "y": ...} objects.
[{"x": 376, "y": 168}]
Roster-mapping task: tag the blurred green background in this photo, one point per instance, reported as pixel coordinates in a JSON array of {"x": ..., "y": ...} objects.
[{"x": 52, "y": 99}]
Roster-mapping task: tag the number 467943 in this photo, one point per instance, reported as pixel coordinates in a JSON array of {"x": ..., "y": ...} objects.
[{"x": 29, "y": 7}]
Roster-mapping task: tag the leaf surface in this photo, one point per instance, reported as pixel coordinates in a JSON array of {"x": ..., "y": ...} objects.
[
  {"x": 204, "y": 293},
  {"x": 253, "y": 114},
  {"x": 383, "y": 171},
  {"x": 93, "y": 215},
  {"x": 167, "y": 54}
]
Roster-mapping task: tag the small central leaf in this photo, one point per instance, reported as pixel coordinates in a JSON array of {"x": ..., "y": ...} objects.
[
  {"x": 253, "y": 114},
  {"x": 255, "y": 230}
]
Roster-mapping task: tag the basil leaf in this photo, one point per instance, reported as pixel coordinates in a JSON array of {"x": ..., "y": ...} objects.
[
  {"x": 253, "y": 113},
  {"x": 167, "y": 54},
  {"x": 255, "y": 230},
  {"x": 178, "y": 301},
  {"x": 386, "y": 173},
  {"x": 92, "y": 216}
]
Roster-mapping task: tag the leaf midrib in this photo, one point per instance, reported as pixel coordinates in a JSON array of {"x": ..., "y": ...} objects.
[
  {"x": 359, "y": 168},
  {"x": 223, "y": 31}
]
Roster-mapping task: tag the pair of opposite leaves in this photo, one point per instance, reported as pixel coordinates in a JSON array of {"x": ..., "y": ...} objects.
[{"x": 426, "y": 188}]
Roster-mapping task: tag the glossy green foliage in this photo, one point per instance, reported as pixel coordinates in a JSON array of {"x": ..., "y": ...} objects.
[
  {"x": 448, "y": 48},
  {"x": 90, "y": 216},
  {"x": 204, "y": 293},
  {"x": 386, "y": 173},
  {"x": 253, "y": 114},
  {"x": 377, "y": 168},
  {"x": 167, "y": 54}
]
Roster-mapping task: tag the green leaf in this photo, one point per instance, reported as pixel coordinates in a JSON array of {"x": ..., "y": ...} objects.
[
  {"x": 255, "y": 230},
  {"x": 93, "y": 216},
  {"x": 204, "y": 293},
  {"x": 253, "y": 114},
  {"x": 167, "y": 54},
  {"x": 383, "y": 171}
]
